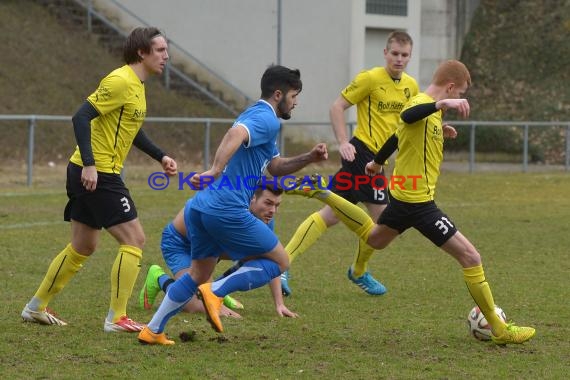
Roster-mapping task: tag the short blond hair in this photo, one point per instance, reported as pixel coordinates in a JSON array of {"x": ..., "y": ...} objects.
[{"x": 400, "y": 37}]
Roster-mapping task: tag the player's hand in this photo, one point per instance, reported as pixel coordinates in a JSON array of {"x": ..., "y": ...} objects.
[
  {"x": 372, "y": 168},
  {"x": 89, "y": 177},
  {"x": 347, "y": 151},
  {"x": 169, "y": 166},
  {"x": 227, "y": 312},
  {"x": 449, "y": 132},
  {"x": 284, "y": 312},
  {"x": 460, "y": 105},
  {"x": 201, "y": 180},
  {"x": 319, "y": 152}
]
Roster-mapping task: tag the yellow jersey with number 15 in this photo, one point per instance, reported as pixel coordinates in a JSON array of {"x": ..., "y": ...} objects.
[
  {"x": 379, "y": 100},
  {"x": 121, "y": 103},
  {"x": 420, "y": 152}
]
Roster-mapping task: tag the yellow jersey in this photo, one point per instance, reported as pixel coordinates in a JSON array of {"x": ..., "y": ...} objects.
[
  {"x": 121, "y": 103},
  {"x": 420, "y": 152},
  {"x": 379, "y": 100}
]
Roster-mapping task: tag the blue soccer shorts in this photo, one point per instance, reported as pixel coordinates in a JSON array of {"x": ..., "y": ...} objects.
[
  {"x": 238, "y": 233},
  {"x": 175, "y": 249}
]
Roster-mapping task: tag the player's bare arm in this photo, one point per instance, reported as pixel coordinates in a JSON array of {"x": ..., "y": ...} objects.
[
  {"x": 460, "y": 105},
  {"x": 89, "y": 177},
  {"x": 230, "y": 143},
  {"x": 346, "y": 149},
  {"x": 280, "y": 166},
  {"x": 169, "y": 166},
  {"x": 82, "y": 130},
  {"x": 372, "y": 168},
  {"x": 449, "y": 132},
  {"x": 280, "y": 308},
  {"x": 375, "y": 166}
]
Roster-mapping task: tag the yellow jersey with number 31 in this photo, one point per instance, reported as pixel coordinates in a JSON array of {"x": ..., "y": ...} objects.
[
  {"x": 379, "y": 100},
  {"x": 121, "y": 103},
  {"x": 420, "y": 153}
]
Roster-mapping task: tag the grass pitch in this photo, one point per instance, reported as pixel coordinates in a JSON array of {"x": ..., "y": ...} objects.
[{"x": 519, "y": 223}]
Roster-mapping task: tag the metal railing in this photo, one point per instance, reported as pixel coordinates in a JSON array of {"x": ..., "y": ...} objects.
[
  {"x": 526, "y": 126},
  {"x": 207, "y": 123}
]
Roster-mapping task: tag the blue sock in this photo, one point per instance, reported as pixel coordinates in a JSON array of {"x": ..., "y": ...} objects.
[
  {"x": 164, "y": 282},
  {"x": 252, "y": 274},
  {"x": 230, "y": 270},
  {"x": 178, "y": 295}
]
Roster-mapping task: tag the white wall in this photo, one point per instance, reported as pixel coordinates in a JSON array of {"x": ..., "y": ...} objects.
[
  {"x": 238, "y": 40},
  {"x": 326, "y": 39}
]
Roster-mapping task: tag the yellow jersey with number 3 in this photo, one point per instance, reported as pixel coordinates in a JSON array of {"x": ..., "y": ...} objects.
[
  {"x": 379, "y": 100},
  {"x": 420, "y": 153},
  {"x": 121, "y": 103}
]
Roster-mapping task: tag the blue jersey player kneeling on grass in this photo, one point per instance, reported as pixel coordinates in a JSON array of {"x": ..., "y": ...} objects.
[
  {"x": 176, "y": 250},
  {"x": 219, "y": 217}
]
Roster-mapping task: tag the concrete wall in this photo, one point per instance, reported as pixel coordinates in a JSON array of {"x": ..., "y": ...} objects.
[
  {"x": 444, "y": 23},
  {"x": 438, "y": 37},
  {"x": 238, "y": 40},
  {"x": 328, "y": 40}
]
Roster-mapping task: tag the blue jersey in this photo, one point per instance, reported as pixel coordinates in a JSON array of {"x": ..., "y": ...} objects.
[{"x": 235, "y": 187}]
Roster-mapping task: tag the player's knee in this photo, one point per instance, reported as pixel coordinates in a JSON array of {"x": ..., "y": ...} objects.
[
  {"x": 199, "y": 276},
  {"x": 136, "y": 239},
  {"x": 471, "y": 257},
  {"x": 140, "y": 240},
  {"x": 283, "y": 266},
  {"x": 376, "y": 242},
  {"x": 329, "y": 218},
  {"x": 467, "y": 256},
  {"x": 376, "y": 239},
  {"x": 84, "y": 248}
]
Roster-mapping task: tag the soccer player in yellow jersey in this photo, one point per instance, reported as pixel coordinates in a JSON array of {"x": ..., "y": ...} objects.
[
  {"x": 106, "y": 126},
  {"x": 419, "y": 141},
  {"x": 379, "y": 95}
]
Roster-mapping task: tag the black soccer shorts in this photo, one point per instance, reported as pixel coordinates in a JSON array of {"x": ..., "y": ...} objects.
[
  {"x": 351, "y": 182},
  {"x": 425, "y": 217},
  {"x": 108, "y": 205}
]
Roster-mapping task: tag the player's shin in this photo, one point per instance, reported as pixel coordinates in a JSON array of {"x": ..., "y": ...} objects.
[
  {"x": 123, "y": 277},
  {"x": 355, "y": 218},
  {"x": 481, "y": 293},
  {"x": 178, "y": 295},
  {"x": 363, "y": 255},
  {"x": 61, "y": 270},
  {"x": 306, "y": 235}
]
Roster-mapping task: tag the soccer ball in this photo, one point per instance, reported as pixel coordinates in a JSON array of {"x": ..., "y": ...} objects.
[{"x": 478, "y": 326}]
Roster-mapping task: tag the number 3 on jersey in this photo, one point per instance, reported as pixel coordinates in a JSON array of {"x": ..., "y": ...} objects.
[{"x": 126, "y": 204}]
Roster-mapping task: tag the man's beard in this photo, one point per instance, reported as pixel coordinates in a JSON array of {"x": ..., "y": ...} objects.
[{"x": 282, "y": 114}]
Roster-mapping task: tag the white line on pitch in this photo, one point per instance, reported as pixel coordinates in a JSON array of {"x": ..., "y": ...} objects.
[{"x": 28, "y": 225}]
